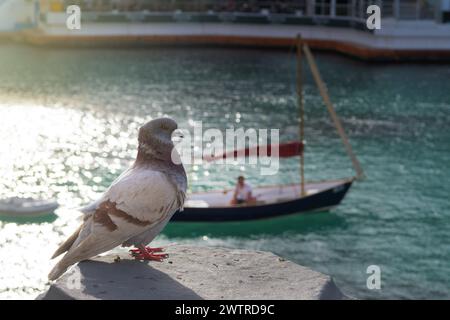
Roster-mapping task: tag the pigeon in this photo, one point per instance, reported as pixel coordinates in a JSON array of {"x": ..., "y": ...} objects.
[{"x": 137, "y": 205}]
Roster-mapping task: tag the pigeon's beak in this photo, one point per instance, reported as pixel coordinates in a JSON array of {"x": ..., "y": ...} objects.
[
  {"x": 178, "y": 133},
  {"x": 177, "y": 136}
]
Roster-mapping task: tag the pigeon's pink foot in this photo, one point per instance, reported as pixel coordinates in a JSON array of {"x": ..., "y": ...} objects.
[
  {"x": 147, "y": 253},
  {"x": 149, "y": 249}
]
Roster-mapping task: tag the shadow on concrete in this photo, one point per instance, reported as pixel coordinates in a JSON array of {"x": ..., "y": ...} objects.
[
  {"x": 130, "y": 279},
  {"x": 331, "y": 292}
]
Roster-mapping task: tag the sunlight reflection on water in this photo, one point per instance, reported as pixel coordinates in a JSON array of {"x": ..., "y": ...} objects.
[
  {"x": 51, "y": 153},
  {"x": 68, "y": 127}
]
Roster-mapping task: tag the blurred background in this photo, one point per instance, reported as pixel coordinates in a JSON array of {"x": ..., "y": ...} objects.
[{"x": 71, "y": 102}]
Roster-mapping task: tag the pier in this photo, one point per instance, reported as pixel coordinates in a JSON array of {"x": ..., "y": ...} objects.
[{"x": 194, "y": 273}]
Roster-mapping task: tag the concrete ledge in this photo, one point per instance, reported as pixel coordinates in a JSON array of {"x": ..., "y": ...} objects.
[{"x": 194, "y": 273}]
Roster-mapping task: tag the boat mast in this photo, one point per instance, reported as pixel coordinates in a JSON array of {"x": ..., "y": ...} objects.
[
  {"x": 337, "y": 123},
  {"x": 301, "y": 111}
]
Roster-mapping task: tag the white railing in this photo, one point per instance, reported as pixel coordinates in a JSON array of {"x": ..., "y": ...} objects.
[{"x": 351, "y": 9}]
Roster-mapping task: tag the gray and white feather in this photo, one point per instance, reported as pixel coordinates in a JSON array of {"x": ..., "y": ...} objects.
[{"x": 137, "y": 205}]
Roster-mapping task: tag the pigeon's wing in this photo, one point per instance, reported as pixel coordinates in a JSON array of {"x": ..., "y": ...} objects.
[
  {"x": 148, "y": 235},
  {"x": 139, "y": 201},
  {"x": 91, "y": 207}
]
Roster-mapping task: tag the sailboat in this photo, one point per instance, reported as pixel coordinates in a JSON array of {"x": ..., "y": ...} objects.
[{"x": 280, "y": 200}]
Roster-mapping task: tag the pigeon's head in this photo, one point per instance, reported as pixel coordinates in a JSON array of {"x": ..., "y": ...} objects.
[{"x": 155, "y": 138}]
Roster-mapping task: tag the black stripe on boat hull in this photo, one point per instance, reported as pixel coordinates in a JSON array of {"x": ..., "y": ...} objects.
[{"x": 320, "y": 200}]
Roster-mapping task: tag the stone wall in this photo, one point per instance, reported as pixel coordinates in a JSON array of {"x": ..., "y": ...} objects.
[{"x": 194, "y": 273}]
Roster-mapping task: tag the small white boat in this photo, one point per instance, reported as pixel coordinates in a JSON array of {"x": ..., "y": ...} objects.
[{"x": 26, "y": 207}]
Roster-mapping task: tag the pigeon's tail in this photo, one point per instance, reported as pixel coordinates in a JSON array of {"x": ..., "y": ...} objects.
[
  {"x": 58, "y": 270},
  {"x": 70, "y": 258},
  {"x": 68, "y": 243},
  {"x": 91, "y": 246}
]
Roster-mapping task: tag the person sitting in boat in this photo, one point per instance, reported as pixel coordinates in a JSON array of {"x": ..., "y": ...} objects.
[{"x": 242, "y": 193}]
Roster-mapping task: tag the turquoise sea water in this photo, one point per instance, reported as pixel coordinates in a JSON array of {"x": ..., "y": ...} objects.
[{"x": 68, "y": 125}]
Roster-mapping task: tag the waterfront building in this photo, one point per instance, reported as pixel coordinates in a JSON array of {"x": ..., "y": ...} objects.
[
  {"x": 409, "y": 28},
  {"x": 347, "y": 9}
]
